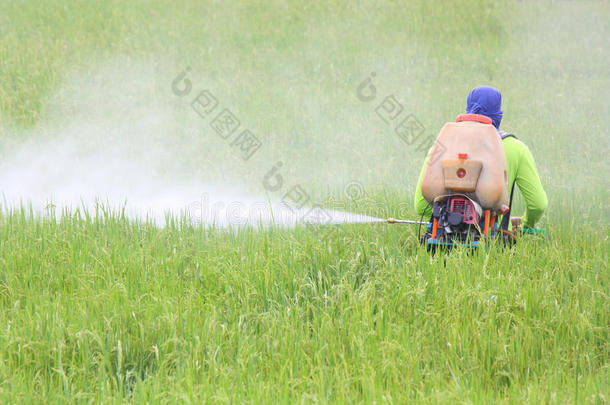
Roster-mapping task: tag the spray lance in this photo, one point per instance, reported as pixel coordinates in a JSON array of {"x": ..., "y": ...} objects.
[{"x": 405, "y": 221}]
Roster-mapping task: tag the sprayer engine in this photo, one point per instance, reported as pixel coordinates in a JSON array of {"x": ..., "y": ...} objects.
[{"x": 457, "y": 219}]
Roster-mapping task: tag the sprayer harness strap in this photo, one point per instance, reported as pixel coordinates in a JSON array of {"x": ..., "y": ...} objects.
[
  {"x": 504, "y": 134},
  {"x": 506, "y": 217}
]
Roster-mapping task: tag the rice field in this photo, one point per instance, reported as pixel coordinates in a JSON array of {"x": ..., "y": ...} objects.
[{"x": 98, "y": 306}]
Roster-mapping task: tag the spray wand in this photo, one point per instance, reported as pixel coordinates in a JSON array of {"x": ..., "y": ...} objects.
[{"x": 404, "y": 221}]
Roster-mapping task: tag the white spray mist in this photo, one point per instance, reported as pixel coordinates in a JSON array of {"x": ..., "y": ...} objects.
[{"x": 110, "y": 137}]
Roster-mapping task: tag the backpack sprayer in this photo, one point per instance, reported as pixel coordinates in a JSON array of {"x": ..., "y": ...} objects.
[{"x": 466, "y": 184}]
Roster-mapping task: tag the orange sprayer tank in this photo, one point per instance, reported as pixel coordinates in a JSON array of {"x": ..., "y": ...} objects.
[{"x": 467, "y": 158}]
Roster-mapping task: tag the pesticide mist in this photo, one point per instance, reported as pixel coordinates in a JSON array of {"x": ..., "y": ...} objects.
[{"x": 115, "y": 141}]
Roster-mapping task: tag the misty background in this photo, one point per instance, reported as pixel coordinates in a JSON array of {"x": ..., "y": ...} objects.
[{"x": 87, "y": 109}]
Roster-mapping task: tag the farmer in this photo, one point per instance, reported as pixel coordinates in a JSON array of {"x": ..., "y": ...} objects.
[{"x": 486, "y": 100}]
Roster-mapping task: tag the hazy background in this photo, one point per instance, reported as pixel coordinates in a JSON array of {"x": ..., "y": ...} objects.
[{"x": 87, "y": 108}]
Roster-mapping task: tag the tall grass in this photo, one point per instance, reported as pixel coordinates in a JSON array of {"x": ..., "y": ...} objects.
[{"x": 100, "y": 309}]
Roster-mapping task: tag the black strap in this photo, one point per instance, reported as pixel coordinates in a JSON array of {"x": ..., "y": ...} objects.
[
  {"x": 506, "y": 217},
  {"x": 504, "y": 135}
]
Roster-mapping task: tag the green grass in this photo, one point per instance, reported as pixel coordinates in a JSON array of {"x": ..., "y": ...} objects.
[
  {"x": 108, "y": 310},
  {"x": 99, "y": 310}
]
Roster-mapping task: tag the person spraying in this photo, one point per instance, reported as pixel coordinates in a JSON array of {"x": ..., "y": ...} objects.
[{"x": 468, "y": 179}]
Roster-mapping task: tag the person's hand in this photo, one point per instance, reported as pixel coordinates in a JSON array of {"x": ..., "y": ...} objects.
[
  {"x": 516, "y": 221},
  {"x": 533, "y": 231}
]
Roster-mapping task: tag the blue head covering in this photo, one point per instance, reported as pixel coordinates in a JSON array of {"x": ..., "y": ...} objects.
[{"x": 485, "y": 100}]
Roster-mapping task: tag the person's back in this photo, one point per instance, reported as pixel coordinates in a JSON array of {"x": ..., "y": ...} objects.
[{"x": 486, "y": 101}]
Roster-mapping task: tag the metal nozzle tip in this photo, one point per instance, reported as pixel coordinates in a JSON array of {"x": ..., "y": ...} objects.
[{"x": 391, "y": 220}]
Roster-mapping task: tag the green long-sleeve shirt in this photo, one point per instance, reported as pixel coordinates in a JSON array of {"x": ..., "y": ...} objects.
[{"x": 522, "y": 168}]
